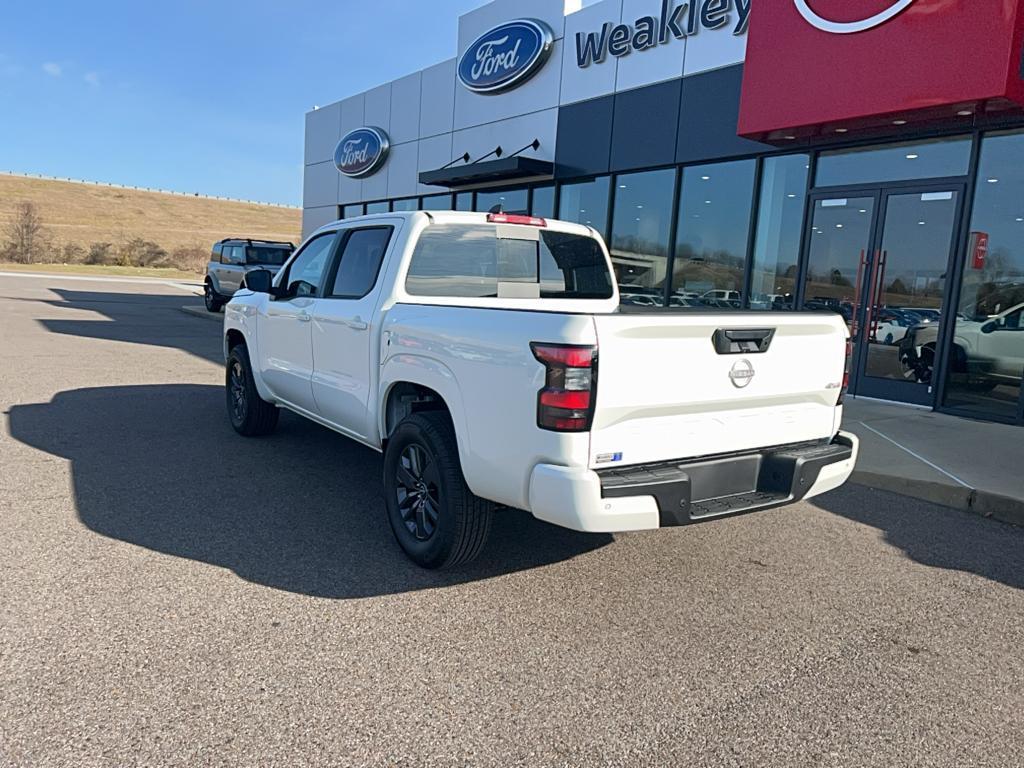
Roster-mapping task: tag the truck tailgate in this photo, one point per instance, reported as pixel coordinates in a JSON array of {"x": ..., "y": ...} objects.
[{"x": 679, "y": 385}]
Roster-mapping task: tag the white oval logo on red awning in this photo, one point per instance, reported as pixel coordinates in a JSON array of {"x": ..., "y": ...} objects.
[{"x": 849, "y": 27}]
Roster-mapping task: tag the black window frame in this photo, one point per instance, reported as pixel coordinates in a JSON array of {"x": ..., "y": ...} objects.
[{"x": 339, "y": 254}]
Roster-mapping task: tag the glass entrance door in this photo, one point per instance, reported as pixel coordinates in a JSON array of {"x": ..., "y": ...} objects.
[{"x": 881, "y": 260}]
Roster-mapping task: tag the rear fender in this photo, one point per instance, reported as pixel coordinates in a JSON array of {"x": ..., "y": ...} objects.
[{"x": 431, "y": 373}]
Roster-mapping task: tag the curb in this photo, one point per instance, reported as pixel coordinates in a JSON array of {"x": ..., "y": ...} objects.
[
  {"x": 200, "y": 311},
  {"x": 983, "y": 503}
]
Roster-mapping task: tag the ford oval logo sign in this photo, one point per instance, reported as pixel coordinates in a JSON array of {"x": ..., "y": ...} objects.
[
  {"x": 506, "y": 56},
  {"x": 361, "y": 152}
]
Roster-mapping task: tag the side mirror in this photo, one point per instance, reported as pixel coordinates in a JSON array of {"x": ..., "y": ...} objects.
[{"x": 258, "y": 280}]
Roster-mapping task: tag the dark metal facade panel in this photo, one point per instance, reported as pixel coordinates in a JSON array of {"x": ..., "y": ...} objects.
[
  {"x": 584, "y": 138},
  {"x": 708, "y": 114},
  {"x": 645, "y": 126}
]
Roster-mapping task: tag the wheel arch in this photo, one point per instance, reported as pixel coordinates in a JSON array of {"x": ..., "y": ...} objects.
[
  {"x": 409, "y": 385},
  {"x": 234, "y": 337}
]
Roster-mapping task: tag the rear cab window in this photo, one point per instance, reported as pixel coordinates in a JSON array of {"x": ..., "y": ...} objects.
[{"x": 507, "y": 261}]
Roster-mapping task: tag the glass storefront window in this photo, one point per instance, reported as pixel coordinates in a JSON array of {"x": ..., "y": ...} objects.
[
  {"x": 641, "y": 219},
  {"x": 510, "y": 200},
  {"x": 378, "y": 207},
  {"x": 406, "y": 204},
  {"x": 712, "y": 237},
  {"x": 837, "y": 257},
  {"x": 352, "y": 210},
  {"x": 585, "y": 203},
  {"x": 543, "y": 201},
  {"x": 436, "y": 202},
  {"x": 464, "y": 201},
  {"x": 780, "y": 224},
  {"x": 895, "y": 162},
  {"x": 987, "y": 359}
]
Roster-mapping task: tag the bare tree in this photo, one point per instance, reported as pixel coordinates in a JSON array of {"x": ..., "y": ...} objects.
[{"x": 24, "y": 234}]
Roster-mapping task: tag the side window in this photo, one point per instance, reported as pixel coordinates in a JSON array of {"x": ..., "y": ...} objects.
[
  {"x": 306, "y": 272},
  {"x": 1013, "y": 320},
  {"x": 233, "y": 254},
  {"x": 360, "y": 262},
  {"x": 215, "y": 253}
]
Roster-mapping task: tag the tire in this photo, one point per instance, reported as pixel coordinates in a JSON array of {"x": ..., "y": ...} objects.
[
  {"x": 213, "y": 299},
  {"x": 249, "y": 414},
  {"x": 456, "y": 531}
]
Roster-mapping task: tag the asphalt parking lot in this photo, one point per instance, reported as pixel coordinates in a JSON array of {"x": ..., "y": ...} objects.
[{"x": 173, "y": 594}]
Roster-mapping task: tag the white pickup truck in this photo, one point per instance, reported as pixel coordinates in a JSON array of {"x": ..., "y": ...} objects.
[{"x": 487, "y": 357}]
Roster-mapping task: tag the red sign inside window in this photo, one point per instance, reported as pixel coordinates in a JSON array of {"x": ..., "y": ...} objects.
[
  {"x": 835, "y": 63},
  {"x": 979, "y": 249}
]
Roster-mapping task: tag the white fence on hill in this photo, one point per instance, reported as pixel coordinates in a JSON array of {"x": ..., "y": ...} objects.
[{"x": 146, "y": 189}]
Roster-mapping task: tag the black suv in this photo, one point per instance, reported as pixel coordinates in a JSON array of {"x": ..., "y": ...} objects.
[{"x": 231, "y": 258}]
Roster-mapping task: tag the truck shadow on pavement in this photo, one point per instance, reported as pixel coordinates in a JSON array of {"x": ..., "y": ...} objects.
[
  {"x": 137, "y": 318},
  {"x": 158, "y": 466},
  {"x": 932, "y": 535}
]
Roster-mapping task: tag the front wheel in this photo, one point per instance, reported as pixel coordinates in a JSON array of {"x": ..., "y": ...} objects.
[
  {"x": 436, "y": 519},
  {"x": 213, "y": 301},
  {"x": 250, "y": 414}
]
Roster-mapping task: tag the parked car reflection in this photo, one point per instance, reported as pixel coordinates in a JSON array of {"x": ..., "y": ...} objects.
[{"x": 987, "y": 350}]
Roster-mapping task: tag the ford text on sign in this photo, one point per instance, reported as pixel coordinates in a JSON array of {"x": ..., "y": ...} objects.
[
  {"x": 505, "y": 56},
  {"x": 361, "y": 152}
]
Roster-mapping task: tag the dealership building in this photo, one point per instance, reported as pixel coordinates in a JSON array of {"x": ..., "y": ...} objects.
[{"x": 860, "y": 156}]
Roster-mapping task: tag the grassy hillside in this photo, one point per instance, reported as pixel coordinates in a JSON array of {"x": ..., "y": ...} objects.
[{"x": 84, "y": 214}]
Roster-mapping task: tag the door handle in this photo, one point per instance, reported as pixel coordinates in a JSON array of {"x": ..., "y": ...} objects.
[
  {"x": 355, "y": 323},
  {"x": 303, "y": 317}
]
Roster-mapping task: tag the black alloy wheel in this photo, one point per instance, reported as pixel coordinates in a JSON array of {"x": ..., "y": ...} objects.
[
  {"x": 418, "y": 491},
  {"x": 237, "y": 392}
]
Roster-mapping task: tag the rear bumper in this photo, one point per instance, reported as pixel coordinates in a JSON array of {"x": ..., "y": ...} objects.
[{"x": 680, "y": 493}]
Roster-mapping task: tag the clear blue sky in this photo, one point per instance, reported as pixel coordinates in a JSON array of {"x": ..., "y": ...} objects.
[{"x": 196, "y": 95}]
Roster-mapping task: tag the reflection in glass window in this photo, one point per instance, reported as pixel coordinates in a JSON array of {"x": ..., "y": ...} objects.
[
  {"x": 585, "y": 203},
  {"x": 987, "y": 359},
  {"x": 893, "y": 162},
  {"x": 543, "y": 201},
  {"x": 437, "y": 202},
  {"x": 711, "y": 240},
  {"x": 780, "y": 224},
  {"x": 406, "y": 204},
  {"x": 378, "y": 207},
  {"x": 464, "y": 201},
  {"x": 641, "y": 220},
  {"x": 510, "y": 200},
  {"x": 836, "y": 259},
  {"x": 352, "y": 210},
  {"x": 305, "y": 273}
]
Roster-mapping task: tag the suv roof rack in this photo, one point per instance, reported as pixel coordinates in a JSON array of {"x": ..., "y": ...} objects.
[{"x": 251, "y": 240}]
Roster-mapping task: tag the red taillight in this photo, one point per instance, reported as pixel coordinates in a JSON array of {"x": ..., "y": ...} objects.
[
  {"x": 566, "y": 403},
  {"x": 846, "y": 372},
  {"x": 513, "y": 218}
]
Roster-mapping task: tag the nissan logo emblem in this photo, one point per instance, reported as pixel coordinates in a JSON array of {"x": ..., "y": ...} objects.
[
  {"x": 741, "y": 373},
  {"x": 849, "y": 27}
]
